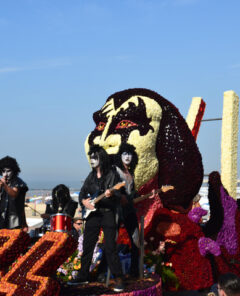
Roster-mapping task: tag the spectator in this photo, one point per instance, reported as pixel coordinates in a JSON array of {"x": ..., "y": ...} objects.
[
  {"x": 229, "y": 285},
  {"x": 77, "y": 229}
]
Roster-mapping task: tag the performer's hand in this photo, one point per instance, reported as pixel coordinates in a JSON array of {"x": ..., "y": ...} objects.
[
  {"x": 25, "y": 228},
  {"x": 3, "y": 181},
  {"x": 87, "y": 203},
  {"x": 153, "y": 194},
  {"x": 108, "y": 193},
  {"x": 166, "y": 188},
  {"x": 45, "y": 216}
]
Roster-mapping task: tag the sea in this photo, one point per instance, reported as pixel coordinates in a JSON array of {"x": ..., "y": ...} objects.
[{"x": 43, "y": 195}]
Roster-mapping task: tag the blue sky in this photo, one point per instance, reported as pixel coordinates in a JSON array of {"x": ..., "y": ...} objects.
[{"x": 60, "y": 60}]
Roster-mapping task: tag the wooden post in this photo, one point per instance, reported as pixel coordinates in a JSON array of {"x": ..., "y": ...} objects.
[{"x": 229, "y": 142}]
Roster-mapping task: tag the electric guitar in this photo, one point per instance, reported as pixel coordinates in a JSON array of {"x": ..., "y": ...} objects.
[
  {"x": 86, "y": 212},
  {"x": 164, "y": 188}
]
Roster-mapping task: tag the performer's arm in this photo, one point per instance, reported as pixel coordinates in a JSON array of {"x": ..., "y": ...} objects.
[
  {"x": 11, "y": 191},
  {"x": 83, "y": 200},
  {"x": 116, "y": 193}
]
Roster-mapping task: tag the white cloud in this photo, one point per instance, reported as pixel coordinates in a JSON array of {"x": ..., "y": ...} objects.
[
  {"x": 44, "y": 64},
  {"x": 9, "y": 69},
  {"x": 184, "y": 2}
]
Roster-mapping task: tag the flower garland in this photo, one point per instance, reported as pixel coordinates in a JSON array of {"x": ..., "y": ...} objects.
[{"x": 31, "y": 274}]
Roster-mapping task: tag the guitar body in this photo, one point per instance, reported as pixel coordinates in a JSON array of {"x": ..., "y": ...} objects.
[
  {"x": 85, "y": 211},
  {"x": 95, "y": 199}
]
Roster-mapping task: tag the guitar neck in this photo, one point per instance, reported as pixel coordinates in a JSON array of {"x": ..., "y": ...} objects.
[
  {"x": 142, "y": 197},
  {"x": 115, "y": 187},
  {"x": 97, "y": 199}
]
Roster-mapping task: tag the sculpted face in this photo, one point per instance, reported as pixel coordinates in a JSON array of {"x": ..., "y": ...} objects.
[{"x": 134, "y": 120}]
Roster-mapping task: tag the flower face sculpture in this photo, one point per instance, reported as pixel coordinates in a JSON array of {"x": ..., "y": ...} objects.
[{"x": 166, "y": 149}]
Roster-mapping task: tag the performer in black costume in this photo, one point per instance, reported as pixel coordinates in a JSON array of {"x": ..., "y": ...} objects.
[
  {"x": 125, "y": 162},
  {"x": 61, "y": 203},
  {"x": 99, "y": 181},
  {"x": 12, "y": 195}
]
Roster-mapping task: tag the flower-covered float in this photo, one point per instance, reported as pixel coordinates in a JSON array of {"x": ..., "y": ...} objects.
[
  {"x": 168, "y": 155},
  {"x": 32, "y": 273}
]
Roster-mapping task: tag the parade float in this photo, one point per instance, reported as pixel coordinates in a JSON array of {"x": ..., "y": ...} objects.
[
  {"x": 168, "y": 155},
  {"x": 193, "y": 256}
]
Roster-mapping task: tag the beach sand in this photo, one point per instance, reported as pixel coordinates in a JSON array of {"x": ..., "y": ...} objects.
[{"x": 40, "y": 207}]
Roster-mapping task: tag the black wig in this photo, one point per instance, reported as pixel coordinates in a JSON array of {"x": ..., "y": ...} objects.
[
  {"x": 11, "y": 163},
  {"x": 214, "y": 224},
  {"x": 60, "y": 196}
]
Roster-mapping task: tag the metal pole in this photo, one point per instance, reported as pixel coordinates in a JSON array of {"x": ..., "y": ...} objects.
[
  {"x": 34, "y": 212},
  {"x": 211, "y": 119},
  {"x": 141, "y": 259},
  {"x": 108, "y": 276}
]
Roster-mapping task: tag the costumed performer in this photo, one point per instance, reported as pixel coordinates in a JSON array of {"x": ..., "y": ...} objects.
[
  {"x": 101, "y": 178},
  {"x": 12, "y": 195}
]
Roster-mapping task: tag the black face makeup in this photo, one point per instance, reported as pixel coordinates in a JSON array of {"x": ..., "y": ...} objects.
[
  {"x": 123, "y": 123},
  {"x": 7, "y": 173},
  {"x": 94, "y": 160},
  {"x": 126, "y": 157}
]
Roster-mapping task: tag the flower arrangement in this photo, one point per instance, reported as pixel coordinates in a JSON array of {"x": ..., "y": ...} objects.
[
  {"x": 31, "y": 273},
  {"x": 154, "y": 260},
  {"x": 69, "y": 269}
]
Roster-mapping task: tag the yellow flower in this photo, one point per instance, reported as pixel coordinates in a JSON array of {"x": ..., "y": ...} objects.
[
  {"x": 77, "y": 266},
  {"x": 75, "y": 260}
]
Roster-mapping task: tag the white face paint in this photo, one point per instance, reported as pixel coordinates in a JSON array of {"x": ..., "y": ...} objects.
[
  {"x": 7, "y": 173},
  {"x": 126, "y": 158},
  {"x": 94, "y": 160}
]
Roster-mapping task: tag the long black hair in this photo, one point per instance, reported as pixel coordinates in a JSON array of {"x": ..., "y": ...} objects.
[
  {"x": 214, "y": 224},
  {"x": 125, "y": 147},
  {"x": 104, "y": 160},
  {"x": 60, "y": 195},
  {"x": 11, "y": 163}
]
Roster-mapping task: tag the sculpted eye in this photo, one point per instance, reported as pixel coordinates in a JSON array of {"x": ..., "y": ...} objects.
[
  {"x": 101, "y": 126},
  {"x": 125, "y": 124}
]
